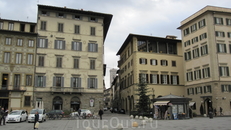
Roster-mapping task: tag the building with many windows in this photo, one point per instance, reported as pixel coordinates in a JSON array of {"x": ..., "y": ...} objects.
[
  {"x": 206, "y": 43},
  {"x": 17, "y": 63},
  {"x": 70, "y": 58},
  {"x": 154, "y": 60}
]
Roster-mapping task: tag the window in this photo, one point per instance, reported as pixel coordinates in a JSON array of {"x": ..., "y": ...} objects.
[
  {"x": 43, "y": 25},
  {"x": 92, "y": 31},
  {"x": 22, "y": 27},
  {"x": 193, "y": 27},
  {"x": 143, "y": 78},
  {"x": 92, "y": 83},
  {"x": 31, "y": 43},
  {"x": 42, "y": 43},
  {"x": 44, "y": 13},
  {"x": 11, "y": 26},
  {"x": 197, "y": 74},
  {"x": 218, "y": 20},
  {"x": 174, "y": 79},
  {"x": 220, "y": 34},
  {"x": 190, "y": 91},
  {"x": 207, "y": 89},
  {"x": 224, "y": 71},
  {"x": 58, "y": 81},
  {"x": 6, "y": 57},
  {"x": 17, "y": 81},
  {"x": 221, "y": 48},
  {"x": 41, "y": 61},
  {"x": 164, "y": 62},
  {"x": 173, "y": 63},
  {"x": 153, "y": 62},
  {"x": 92, "y": 47},
  {"x": 226, "y": 88},
  {"x": 77, "y": 29},
  {"x": 195, "y": 53},
  {"x": 201, "y": 23},
  {"x": 77, "y": 17},
  {"x": 30, "y": 59},
  {"x": 60, "y": 44},
  {"x": 229, "y": 34},
  {"x": 61, "y": 15},
  {"x": 203, "y": 36},
  {"x": 187, "y": 55},
  {"x": 59, "y": 62},
  {"x": 194, "y": 40},
  {"x": 40, "y": 81},
  {"x": 76, "y": 63},
  {"x": 28, "y": 80},
  {"x": 206, "y": 72},
  {"x": 204, "y": 50},
  {"x": 164, "y": 79},
  {"x": 27, "y": 101},
  {"x": 18, "y": 58},
  {"x": 92, "y": 64},
  {"x": 198, "y": 90},
  {"x": 92, "y": 19},
  {"x": 8, "y": 41},
  {"x": 75, "y": 82},
  {"x": 186, "y": 31},
  {"x": 143, "y": 61},
  {"x": 228, "y": 22},
  {"x": 60, "y": 27},
  {"x": 19, "y": 43},
  {"x": 189, "y": 76},
  {"x": 154, "y": 78},
  {"x": 187, "y": 43},
  {"x": 77, "y": 46},
  {"x": 1, "y": 25}
]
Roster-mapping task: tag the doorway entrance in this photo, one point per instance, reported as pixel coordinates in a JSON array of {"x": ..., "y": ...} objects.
[
  {"x": 75, "y": 104},
  {"x": 57, "y": 103}
]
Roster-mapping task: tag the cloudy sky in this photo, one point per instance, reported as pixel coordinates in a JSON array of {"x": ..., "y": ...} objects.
[{"x": 146, "y": 17}]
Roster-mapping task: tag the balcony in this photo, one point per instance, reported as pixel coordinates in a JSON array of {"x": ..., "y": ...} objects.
[
  {"x": 66, "y": 90},
  {"x": 12, "y": 88}
]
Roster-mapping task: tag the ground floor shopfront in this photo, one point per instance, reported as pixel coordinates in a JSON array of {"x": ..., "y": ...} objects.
[{"x": 68, "y": 102}]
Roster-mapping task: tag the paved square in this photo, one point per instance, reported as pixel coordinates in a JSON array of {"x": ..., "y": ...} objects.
[{"x": 112, "y": 120}]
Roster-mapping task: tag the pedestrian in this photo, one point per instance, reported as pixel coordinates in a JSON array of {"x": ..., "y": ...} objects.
[
  {"x": 215, "y": 112},
  {"x": 221, "y": 114},
  {"x": 36, "y": 119},
  {"x": 100, "y": 113},
  {"x": 79, "y": 111},
  {"x": 210, "y": 113},
  {"x": 2, "y": 117}
]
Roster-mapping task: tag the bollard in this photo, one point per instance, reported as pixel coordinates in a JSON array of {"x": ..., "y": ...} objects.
[
  {"x": 134, "y": 124},
  {"x": 131, "y": 117},
  {"x": 88, "y": 128},
  {"x": 119, "y": 126},
  {"x": 143, "y": 122},
  {"x": 105, "y": 127},
  {"x": 137, "y": 116},
  {"x": 141, "y": 118}
]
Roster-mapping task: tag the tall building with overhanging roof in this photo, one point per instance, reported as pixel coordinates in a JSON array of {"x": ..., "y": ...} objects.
[
  {"x": 206, "y": 43},
  {"x": 70, "y": 58}
]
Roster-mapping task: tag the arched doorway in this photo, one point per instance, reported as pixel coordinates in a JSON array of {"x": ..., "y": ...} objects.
[
  {"x": 57, "y": 103},
  {"x": 75, "y": 104}
]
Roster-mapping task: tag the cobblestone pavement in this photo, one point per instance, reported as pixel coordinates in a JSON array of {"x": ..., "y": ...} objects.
[{"x": 112, "y": 120}]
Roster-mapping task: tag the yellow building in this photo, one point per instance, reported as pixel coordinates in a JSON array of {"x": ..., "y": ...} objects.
[
  {"x": 17, "y": 63},
  {"x": 70, "y": 58},
  {"x": 159, "y": 61},
  {"x": 206, "y": 43}
]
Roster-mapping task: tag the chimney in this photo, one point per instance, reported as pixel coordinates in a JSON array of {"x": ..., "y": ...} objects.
[{"x": 171, "y": 37}]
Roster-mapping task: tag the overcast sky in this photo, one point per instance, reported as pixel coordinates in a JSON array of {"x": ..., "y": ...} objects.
[{"x": 145, "y": 17}]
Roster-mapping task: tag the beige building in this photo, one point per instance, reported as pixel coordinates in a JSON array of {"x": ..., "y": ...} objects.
[
  {"x": 70, "y": 58},
  {"x": 17, "y": 63},
  {"x": 159, "y": 61},
  {"x": 206, "y": 43}
]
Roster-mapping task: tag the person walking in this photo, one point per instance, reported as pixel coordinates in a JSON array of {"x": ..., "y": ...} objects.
[
  {"x": 36, "y": 119},
  {"x": 215, "y": 112},
  {"x": 2, "y": 117},
  {"x": 100, "y": 113},
  {"x": 221, "y": 114}
]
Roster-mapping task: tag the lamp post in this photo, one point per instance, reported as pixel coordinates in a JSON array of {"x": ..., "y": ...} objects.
[{"x": 153, "y": 96}]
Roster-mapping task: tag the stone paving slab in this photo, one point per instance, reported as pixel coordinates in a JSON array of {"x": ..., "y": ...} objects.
[{"x": 112, "y": 120}]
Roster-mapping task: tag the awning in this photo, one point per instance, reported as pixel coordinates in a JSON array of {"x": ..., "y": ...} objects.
[
  {"x": 161, "y": 103},
  {"x": 191, "y": 103}
]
